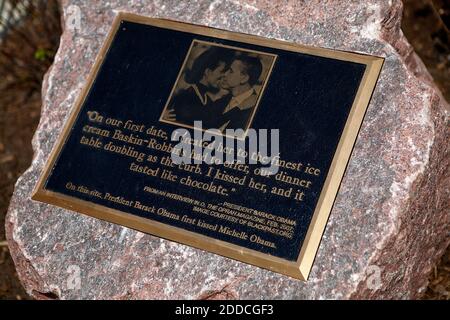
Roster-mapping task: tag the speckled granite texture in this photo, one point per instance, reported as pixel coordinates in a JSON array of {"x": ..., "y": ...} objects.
[{"x": 391, "y": 214}]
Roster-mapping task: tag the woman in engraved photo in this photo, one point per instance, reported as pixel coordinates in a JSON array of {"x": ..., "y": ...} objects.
[
  {"x": 194, "y": 103},
  {"x": 219, "y": 86}
]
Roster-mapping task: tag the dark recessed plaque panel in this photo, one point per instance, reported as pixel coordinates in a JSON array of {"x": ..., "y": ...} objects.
[{"x": 113, "y": 161}]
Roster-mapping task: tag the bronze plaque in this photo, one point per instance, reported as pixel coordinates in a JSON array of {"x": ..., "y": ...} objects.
[{"x": 118, "y": 157}]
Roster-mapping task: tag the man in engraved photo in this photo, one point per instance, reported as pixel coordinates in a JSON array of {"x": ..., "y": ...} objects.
[{"x": 235, "y": 109}]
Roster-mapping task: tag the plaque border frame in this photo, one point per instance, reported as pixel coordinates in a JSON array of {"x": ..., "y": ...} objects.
[{"x": 299, "y": 269}]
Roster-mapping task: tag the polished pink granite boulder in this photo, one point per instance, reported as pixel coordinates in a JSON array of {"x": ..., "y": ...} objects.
[{"x": 390, "y": 221}]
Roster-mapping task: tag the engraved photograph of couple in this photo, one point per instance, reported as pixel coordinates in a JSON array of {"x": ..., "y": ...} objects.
[{"x": 218, "y": 85}]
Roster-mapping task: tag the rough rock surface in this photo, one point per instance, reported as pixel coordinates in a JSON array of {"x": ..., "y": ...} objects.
[{"x": 390, "y": 219}]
